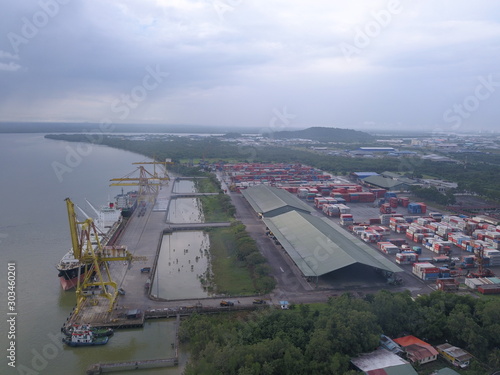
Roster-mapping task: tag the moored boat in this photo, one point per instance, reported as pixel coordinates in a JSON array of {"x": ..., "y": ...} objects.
[
  {"x": 82, "y": 337},
  {"x": 96, "y": 331},
  {"x": 72, "y": 270}
]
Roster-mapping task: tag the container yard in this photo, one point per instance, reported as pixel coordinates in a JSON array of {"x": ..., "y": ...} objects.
[{"x": 433, "y": 245}]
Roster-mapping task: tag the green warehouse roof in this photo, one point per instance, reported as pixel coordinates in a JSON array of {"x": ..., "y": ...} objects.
[
  {"x": 319, "y": 246},
  {"x": 271, "y": 201},
  {"x": 386, "y": 183}
]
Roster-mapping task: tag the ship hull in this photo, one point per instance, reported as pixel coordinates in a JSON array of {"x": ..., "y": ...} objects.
[{"x": 68, "y": 284}]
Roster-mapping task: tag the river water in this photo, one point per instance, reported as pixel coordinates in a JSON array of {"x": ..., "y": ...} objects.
[{"x": 37, "y": 174}]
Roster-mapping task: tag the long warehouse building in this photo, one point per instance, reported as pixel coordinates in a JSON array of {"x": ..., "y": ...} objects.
[{"x": 317, "y": 245}]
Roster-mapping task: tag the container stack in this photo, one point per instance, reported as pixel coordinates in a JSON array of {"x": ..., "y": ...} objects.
[
  {"x": 393, "y": 202},
  {"x": 379, "y": 193},
  {"x": 346, "y": 219},
  {"x": 426, "y": 271},
  {"x": 417, "y": 208},
  {"x": 484, "y": 285},
  {"x": 388, "y": 247},
  {"x": 385, "y": 208},
  {"x": 493, "y": 256},
  {"x": 370, "y": 235},
  {"x": 404, "y": 201},
  {"x": 398, "y": 224},
  {"x": 406, "y": 257}
]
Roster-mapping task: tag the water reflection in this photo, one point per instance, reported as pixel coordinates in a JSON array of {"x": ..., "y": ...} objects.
[{"x": 183, "y": 268}]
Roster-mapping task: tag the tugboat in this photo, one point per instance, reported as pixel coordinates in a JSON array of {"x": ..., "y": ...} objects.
[
  {"x": 96, "y": 331},
  {"x": 83, "y": 337}
]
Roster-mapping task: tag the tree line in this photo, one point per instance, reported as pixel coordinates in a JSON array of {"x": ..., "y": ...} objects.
[
  {"x": 321, "y": 339},
  {"x": 473, "y": 174}
]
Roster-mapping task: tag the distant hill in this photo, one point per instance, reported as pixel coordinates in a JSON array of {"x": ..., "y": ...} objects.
[{"x": 326, "y": 135}]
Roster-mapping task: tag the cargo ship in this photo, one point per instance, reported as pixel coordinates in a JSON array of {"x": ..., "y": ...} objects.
[{"x": 109, "y": 222}]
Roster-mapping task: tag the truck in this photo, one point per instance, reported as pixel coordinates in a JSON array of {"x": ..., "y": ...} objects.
[{"x": 225, "y": 303}]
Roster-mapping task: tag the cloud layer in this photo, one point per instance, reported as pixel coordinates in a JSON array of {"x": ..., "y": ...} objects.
[{"x": 364, "y": 64}]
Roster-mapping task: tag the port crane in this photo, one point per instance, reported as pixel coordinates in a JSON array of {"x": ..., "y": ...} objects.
[
  {"x": 149, "y": 183},
  {"x": 90, "y": 252}
]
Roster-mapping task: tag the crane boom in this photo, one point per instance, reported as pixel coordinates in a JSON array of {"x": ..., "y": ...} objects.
[{"x": 73, "y": 228}]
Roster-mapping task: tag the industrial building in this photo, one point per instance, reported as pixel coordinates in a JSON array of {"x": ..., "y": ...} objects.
[
  {"x": 315, "y": 244},
  {"x": 382, "y": 362},
  {"x": 269, "y": 201},
  {"x": 387, "y": 183}
]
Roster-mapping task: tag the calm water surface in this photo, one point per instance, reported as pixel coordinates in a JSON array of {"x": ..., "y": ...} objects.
[{"x": 37, "y": 174}]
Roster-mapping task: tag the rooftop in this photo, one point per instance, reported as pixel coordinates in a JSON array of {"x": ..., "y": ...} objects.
[
  {"x": 271, "y": 201},
  {"x": 319, "y": 246},
  {"x": 378, "y": 359}
]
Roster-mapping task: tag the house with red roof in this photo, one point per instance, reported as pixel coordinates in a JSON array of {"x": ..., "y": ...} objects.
[{"x": 417, "y": 351}]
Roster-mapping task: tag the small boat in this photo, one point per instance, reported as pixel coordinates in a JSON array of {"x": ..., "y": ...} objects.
[
  {"x": 96, "y": 331},
  {"x": 84, "y": 338}
]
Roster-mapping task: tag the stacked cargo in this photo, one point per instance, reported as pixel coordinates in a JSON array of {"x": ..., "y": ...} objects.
[
  {"x": 468, "y": 261},
  {"x": 331, "y": 210},
  {"x": 493, "y": 256},
  {"x": 484, "y": 285},
  {"x": 493, "y": 239},
  {"x": 398, "y": 224},
  {"x": 415, "y": 228},
  {"x": 390, "y": 194},
  {"x": 388, "y": 247},
  {"x": 371, "y": 236},
  {"x": 417, "y": 208},
  {"x": 441, "y": 259},
  {"x": 404, "y": 201},
  {"x": 380, "y": 229},
  {"x": 441, "y": 247},
  {"x": 447, "y": 284},
  {"x": 379, "y": 193},
  {"x": 385, "y": 208},
  {"x": 426, "y": 271},
  {"x": 346, "y": 219},
  {"x": 393, "y": 202},
  {"x": 397, "y": 241},
  {"x": 319, "y": 202},
  {"x": 406, "y": 257},
  {"x": 302, "y": 192},
  {"x": 417, "y": 249},
  {"x": 343, "y": 209},
  {"x": 459, "y": 239}
]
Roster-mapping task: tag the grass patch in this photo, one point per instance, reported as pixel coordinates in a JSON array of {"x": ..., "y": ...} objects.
[
  {"x": 230, "y": 276},
  {"x": 214, "y": 210}
]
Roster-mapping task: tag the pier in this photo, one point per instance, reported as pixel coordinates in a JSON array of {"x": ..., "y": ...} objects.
[{"x": 99, "y": 368}]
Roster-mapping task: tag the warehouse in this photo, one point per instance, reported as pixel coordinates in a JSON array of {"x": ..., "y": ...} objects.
[
  {"x": 387, "y": 183},
  {"x": 270, "y": 201},
  {"x": 316, "y": 245}
]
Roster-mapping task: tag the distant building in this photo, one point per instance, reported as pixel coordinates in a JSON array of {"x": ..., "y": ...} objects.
[
  {"x": 416, "y": 350},
  {"x": 386, "y": 183},
  {"x": 440, "y": 185},
  {"x": 382, "y": 362},
  {"x": 377, "y": 149},
  {"x": 454, "y": 355},
  {"x": 362, "y": 175}
]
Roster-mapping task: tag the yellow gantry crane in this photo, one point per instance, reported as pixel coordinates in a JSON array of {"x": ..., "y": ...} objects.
[
  {"x": 88, "y": 250},
  {"x": 149, "y": 183}
]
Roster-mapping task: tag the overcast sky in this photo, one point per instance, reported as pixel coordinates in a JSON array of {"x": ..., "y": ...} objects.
[{"x": 276, "y": 63}]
